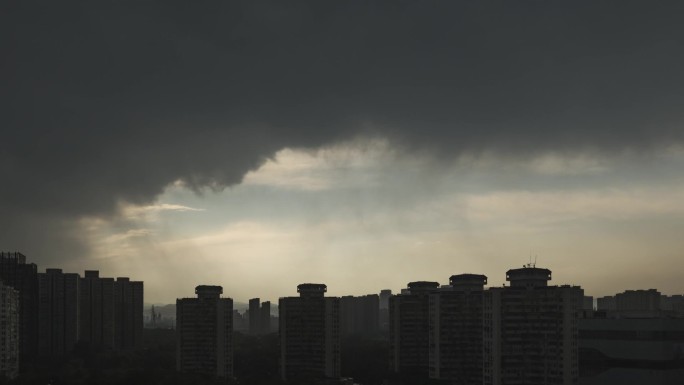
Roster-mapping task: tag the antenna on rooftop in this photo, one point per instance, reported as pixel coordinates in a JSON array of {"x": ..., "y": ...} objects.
[{"x": 535, "y": 261}]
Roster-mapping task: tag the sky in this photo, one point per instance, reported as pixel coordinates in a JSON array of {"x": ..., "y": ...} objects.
[{"x": 258, "y": 145}]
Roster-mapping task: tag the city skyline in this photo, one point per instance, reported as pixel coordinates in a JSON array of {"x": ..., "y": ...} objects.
[{"x": 365, "y": 145}]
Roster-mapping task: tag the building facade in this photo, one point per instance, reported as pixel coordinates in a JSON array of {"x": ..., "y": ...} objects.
[
  {"x": 96, "y": 310},
  {"x": 530, "y": 335},
  {"x": 204, "y": 333},
  {"x": 359, "y": 315},
  {"x": 456, "y": 331},
  {"x": 383, "y": 314},
  {"x": 265, "y": 318},
  {"x": 309, "y": 335},
  {"x": 128, "y": 313},
  {"x": 254, "y": 316},
  {"x": 58, "y": 312},
  {"x": 409, "y": 329},
  {"x": 23, "y": 277},
  {"x": 9, "y": 331}
]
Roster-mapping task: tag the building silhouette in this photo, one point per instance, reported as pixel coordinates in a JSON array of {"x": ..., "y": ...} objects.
[
  {"x": 359, "y": 315},
  {"x": 383, "y": 314},
  {"x": 309, "y": 335},
  {"x": 409, "y": 327},
  {"x": 672, "y": 305},
  {"x": 239, "y": 322},
  {"x": 456, "y": 330},
  {"x": 265, "y": 318},
  {"x": 111, "y": 311},
  {"x": 23, "y": 277},
  {"x": 531, "y": 330},
  {"x": 9, "y": 331},
  {"x": 606, "y": 304},
  {"x": 58, "y": 312},
  {"x": 254, "y": 316},
  {"x": 204, "y": 333},
  {"x": 97, "y": 310},
  {"x": 128, "y": 313},
  {"x": 259, "y": 316}
]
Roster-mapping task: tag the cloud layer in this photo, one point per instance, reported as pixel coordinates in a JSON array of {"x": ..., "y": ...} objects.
[{"x": 106, "y": 104}]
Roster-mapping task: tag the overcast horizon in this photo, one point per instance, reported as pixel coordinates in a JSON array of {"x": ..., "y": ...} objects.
[{"x": 363, "y": 145}]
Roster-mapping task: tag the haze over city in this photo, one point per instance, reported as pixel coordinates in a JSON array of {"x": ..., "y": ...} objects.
[{"x": 261, "y": 145}]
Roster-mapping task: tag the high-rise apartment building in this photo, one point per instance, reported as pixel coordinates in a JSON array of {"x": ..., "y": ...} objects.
[
  {"x": 9, "y": 331},
  {"x": 456, "y": 330},
  {"x": 254, "y": 316},
  {"x": 23, "y": 277},
  {"x": 531, "y": 330},
  {"x": 265, "y": 318},
  {"x": 383, "y": 314},
  {"x": 97, "y": 310},
  {"x": 606, "y": 303},
  {"x": 409, "y": 328},
  {"x": 58, "y": 312},
  {"x": 259, "y": 316},
  {"x": 128, "y": 313},
  {"x": 204, "y": 332},
  {"x": 309, "y": 335},
  {"x": 111, "y": 311},
  {"x": 359, "y": 315}
]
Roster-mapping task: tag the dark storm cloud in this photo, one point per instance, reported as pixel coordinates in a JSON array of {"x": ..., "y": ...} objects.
[{"x": 104, "y": 102}]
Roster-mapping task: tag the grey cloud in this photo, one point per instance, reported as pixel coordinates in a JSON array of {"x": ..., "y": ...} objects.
[{"x": 104, "y": 102}]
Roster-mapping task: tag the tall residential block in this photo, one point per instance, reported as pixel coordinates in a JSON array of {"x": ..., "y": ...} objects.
[
  {"x": 383, "y": 314},
  {"x": 409, "y": 328},
  {"x": 23, "y": 277},
  {"x": 531, "y": 330},
  {"x": 9, "y": 331},
  {"x": 265, "y": 318},
  {"x": 128, "y": 313},
  {"x": 309, "y": 335},
  {"x": 97, "y": 310},
  {"x": 359, "y": 315},
  {"x": 58, "y": 312},
  {"x": 456, "y": 330},
  {"x": 204, "y": 333},
  {"x": 259, "y": 316},
  {"x": 255, "y": 316}
]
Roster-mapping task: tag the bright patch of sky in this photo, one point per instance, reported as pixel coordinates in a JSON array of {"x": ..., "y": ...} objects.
[{"x": 361, "y": 217}]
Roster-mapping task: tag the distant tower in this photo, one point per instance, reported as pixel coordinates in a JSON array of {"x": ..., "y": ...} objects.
[
  {"x": 456, "y": 328},
  {"x": 265, "y": 317},
  {"x": 254, "y": 316},
  {"x": 409, "y": 330},
  {"x": 309, "y": 335},
  {"x": 531, "y": 330},
  {"x": 204, "y": 335}
]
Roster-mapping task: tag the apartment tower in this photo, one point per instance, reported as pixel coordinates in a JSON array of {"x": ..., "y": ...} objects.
[
  {"x": 531, "y": 330},
  {"x": 9, "y": 331},
  {"x": 204, "y": 333},
  {"x": 409, "y": 328},
  {"x": 23, "y": 277},
  {"x": 456, "y": 328},
  {"x": 309, "y": 335},
  {"x": 128, "y": 313},
  {"x": 58, "y": 312}
]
